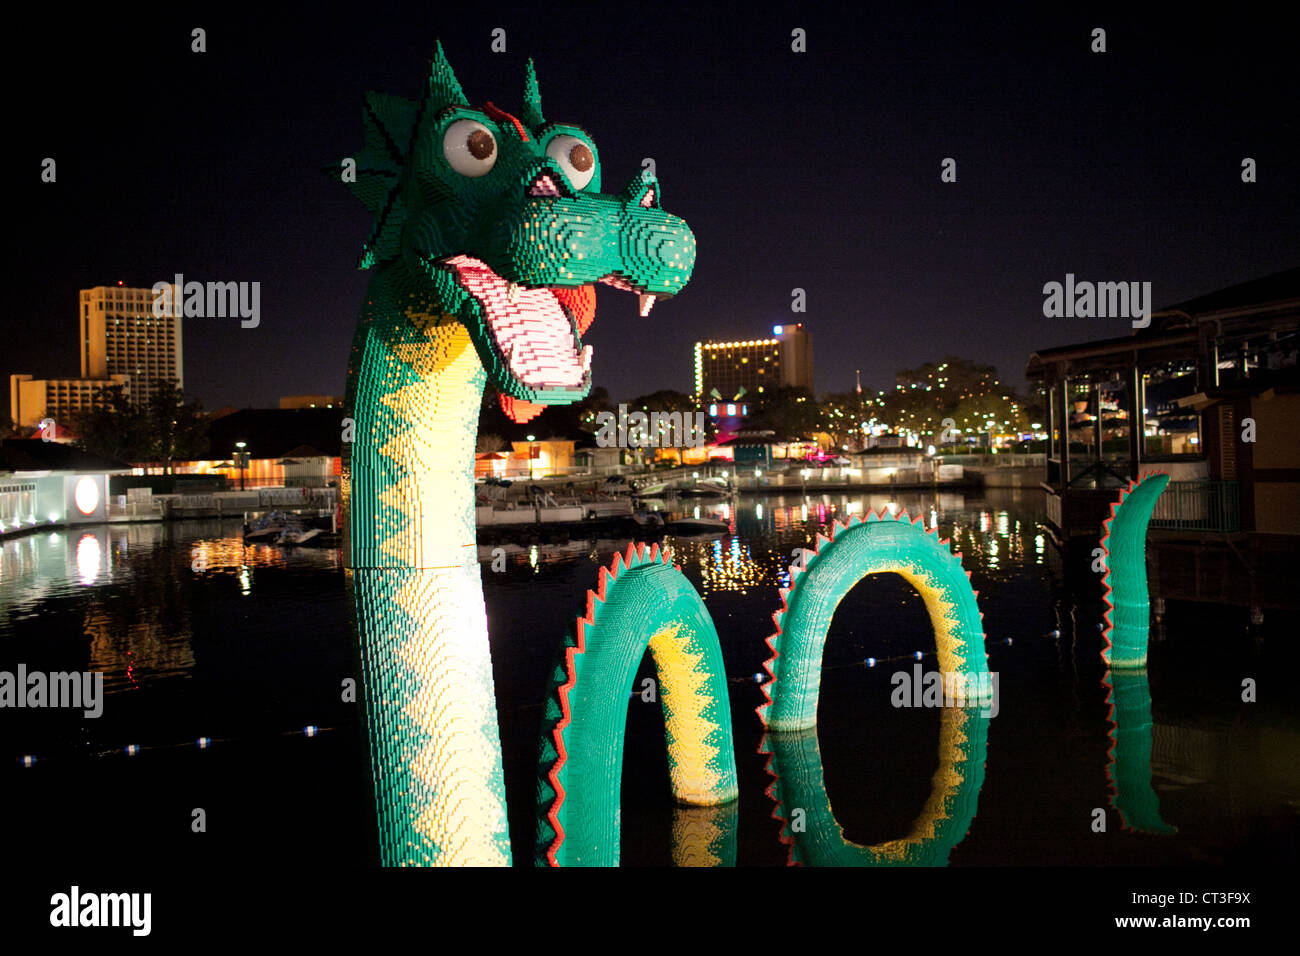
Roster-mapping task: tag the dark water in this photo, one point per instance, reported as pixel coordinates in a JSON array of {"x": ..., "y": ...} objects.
[{"x": 199, "y": 637}]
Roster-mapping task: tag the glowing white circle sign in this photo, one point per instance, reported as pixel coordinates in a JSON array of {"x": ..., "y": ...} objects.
[{"x": 86, "y": 496}]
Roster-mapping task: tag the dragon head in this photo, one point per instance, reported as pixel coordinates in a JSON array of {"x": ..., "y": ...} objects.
[{"x": 504, "y": 217}]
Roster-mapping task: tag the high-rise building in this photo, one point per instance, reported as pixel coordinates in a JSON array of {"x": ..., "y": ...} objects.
[
  {"x": 122, "y": 343},
  {"x": 121, "y": 335},
  {"x": 737, "y": 369}
]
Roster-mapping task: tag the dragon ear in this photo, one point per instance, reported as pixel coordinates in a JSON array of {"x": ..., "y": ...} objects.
[
  {"x": 532, "y": 112},
  {"x": 442, "y": 89}
]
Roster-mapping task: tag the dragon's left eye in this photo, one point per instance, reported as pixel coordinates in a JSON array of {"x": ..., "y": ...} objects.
[
  {"x": 470, "y": 148},
  {"x": 575, "y": 158}
]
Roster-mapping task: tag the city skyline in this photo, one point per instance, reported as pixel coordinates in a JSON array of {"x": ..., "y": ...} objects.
[{"x": 1066, "y": 162}]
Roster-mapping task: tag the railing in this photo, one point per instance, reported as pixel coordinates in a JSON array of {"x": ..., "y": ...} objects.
[
  {"x": 146, "y": 507},
  {"x": 1199, "y": 506},
  {"x": 1010, "y": 459},
  {"x": 237, "y": 502}
]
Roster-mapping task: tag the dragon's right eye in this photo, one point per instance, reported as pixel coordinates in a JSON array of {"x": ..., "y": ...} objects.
[{"x": 470, "y": 148}]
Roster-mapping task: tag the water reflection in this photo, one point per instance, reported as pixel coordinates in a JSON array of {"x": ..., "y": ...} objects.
[
  {"x": 132, "y": 586},
  {"x": 1128, "y": 765},
  {"x": 704, "y": 836},
  {"x": 814, "y": 835}
]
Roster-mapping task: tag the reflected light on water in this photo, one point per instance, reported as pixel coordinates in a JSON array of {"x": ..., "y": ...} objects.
[
  {"x": 732, "y": 569},
  {"x": 88, "y": 555}
]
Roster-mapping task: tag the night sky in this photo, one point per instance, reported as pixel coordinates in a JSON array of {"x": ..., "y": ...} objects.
[{"x": 818, "y": 170}]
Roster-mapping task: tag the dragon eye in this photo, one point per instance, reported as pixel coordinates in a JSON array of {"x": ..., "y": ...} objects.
[
  {"x": 470, "y": 148},
  {"x": 575, "y": 158}
]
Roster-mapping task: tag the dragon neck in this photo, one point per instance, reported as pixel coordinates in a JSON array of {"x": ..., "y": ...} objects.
[{"x": 414, "y": 387}]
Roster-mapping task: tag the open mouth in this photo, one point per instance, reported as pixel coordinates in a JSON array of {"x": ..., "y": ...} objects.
[{"x": 537, "y": 331}]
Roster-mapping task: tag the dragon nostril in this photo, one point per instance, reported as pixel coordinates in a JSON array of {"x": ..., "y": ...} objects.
[{"x": 648, "y": 200}]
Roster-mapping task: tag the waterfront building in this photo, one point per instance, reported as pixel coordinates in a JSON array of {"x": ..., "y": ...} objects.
[
  {"x": 269, "y": 447},
  {"x": 727, "y": 371},
  {"x": 1210, "y": 394},
  {"x": 44, "y": 483}
]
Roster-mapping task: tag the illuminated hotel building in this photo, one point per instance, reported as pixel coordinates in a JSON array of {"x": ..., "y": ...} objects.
[
  {"x": 120, "y": 335},
  {"x": 122, "y": 343},
  {"x": 747, "y": 368}
]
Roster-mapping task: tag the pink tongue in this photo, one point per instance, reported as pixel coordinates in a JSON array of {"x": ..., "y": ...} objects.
[{"x": 531, "y": 331}]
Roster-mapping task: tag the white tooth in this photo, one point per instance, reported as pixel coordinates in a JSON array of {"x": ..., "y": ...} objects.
[
  {"x": 646, "y": 303},
  {"x": 586, "y": 358},
  {"x": 512, "y": 292}
]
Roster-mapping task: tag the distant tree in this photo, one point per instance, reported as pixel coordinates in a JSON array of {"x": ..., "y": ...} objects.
[
  {"x": 162, "y": 428},
  {"x": 967, "y": 393},
  {"x": 489, "y": 443},
  {"x": 668, "y": 400},
  {"x": 7, "y": 427},
  {"x": 175, "y": 428},
  {"x": 113, "y": 427},
  {"x": 842, "y": 415},
  {"x": 790, "y": 410},
  {"x": 589, "y": 408}
]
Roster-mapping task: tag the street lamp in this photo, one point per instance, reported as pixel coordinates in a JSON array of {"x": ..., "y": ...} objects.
[
  {"x": 531, "y": 439},
  {"x": 242, "y": 457}
]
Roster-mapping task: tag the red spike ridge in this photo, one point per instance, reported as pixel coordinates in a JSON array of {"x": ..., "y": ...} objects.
[
  {"x": 630, "y": 556},
  {"x": 654, "y": 551},
  {"x": 590, "y": 616},
  {"x": 557, "y": 735},
  {"x": 821, "y": 540},
  {"x": 903, "y": 516},
  {"x": 601, "y": 581},
  {"x": 616, "y": 565}
]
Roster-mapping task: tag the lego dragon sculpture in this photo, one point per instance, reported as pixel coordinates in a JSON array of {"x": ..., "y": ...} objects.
[{"x": 490, "y": 234}]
